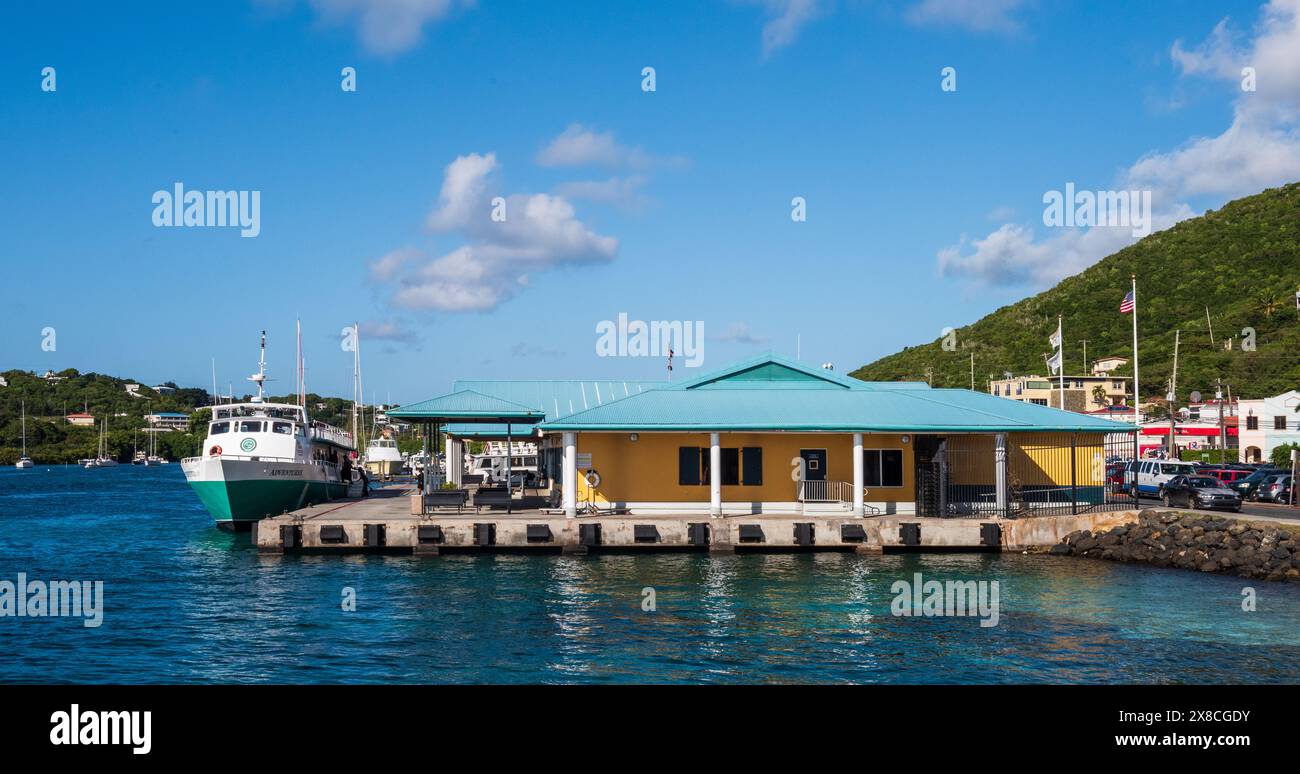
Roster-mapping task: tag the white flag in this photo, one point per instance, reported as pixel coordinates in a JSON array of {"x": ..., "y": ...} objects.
[
  {"x": 1055, "y": 338},
  {"x": 1054, "y": 362}
]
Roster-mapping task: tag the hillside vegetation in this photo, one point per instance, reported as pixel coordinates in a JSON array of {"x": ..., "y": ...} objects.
[{"x": 1242, "y": 261}]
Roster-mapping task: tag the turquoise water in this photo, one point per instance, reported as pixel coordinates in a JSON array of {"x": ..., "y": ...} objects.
[{"x": 185, "y": 602}]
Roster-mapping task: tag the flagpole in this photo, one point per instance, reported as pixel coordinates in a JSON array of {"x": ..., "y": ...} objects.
[
  {"x": 1137, "y": 392},
  {"x": 1060, "y": 331}
]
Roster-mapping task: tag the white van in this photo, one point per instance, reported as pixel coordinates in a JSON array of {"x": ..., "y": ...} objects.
[{"x": 1152, "y": 475}]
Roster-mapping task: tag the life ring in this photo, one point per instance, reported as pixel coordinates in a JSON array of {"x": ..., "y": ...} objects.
[
  {"x": 215, "y": 451},
  {"x": 593, "y": 479}
]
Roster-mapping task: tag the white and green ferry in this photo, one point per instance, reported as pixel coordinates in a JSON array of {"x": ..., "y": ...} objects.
[{"x": 262, "y": 459}]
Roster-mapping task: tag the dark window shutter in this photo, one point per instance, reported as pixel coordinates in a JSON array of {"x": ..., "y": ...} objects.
[
  {"x": 752, "y": 459},
  {"x": 688, "y": 466}
]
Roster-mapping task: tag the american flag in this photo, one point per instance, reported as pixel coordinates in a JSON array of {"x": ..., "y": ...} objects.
[{"x": 1128, "y": 305}]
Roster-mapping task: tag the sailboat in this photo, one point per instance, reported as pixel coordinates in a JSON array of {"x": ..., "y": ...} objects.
[
  {"x": 152, "y": 459},
  {"x": 102, "y": 460},
  {"x": 24, "y": 461}
]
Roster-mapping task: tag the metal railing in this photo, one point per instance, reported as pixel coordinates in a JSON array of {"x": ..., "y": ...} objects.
[{"x": 825, "y": 492}]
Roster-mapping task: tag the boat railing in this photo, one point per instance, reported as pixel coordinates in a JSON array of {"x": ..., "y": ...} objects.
[
  {"x": 324, "y": 432},
  {"x": 262, "y": 458}
]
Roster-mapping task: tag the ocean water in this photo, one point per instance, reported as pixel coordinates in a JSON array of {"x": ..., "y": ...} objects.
[{"x": 185, "y": 602}]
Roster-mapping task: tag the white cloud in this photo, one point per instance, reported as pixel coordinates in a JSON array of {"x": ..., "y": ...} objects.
[
  {"x": 785, "y": 20},
  {"x": 387, "y": 330},
  {"x": 975, "y": 15},
  {"x": 578, "y": 146},
  {"x": 1258, "y": 150},
  {"x": 739, "y": 333},
  {"x": 622, "y": 191},
  {"x": 386, "y": 267},
  {"x": 387, "y": 27},
  {"x": 540, "y": 232}
]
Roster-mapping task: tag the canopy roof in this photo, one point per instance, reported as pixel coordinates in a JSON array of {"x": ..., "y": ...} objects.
[
  {"x": 468, "y": 406},
  {"x": 556, "y": 398},
  {"x": 772, "y": 393}
]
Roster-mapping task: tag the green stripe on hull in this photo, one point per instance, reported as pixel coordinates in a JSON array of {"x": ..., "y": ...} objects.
[{"x": 257, "y": 499}]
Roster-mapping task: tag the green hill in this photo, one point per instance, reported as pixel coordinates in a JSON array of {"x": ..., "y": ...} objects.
[
  {"x": 51, "y": 440},
  {"x": 1242, "y": 261}
]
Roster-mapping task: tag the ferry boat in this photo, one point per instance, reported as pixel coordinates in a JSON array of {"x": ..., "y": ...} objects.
[{"x": 262, "y": 459}]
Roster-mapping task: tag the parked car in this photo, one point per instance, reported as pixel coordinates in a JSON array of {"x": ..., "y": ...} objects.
[
  {"x": 1225, "y": 474},
  {"x": 1248, "y": 486},
  {"x": 1152, "y": 475},
  {"x": 1275, "y": 489},
  {"x": 1200, "y": 492}
]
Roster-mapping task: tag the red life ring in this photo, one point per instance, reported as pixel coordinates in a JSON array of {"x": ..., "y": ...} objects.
[{"x": 215, "y": 451}]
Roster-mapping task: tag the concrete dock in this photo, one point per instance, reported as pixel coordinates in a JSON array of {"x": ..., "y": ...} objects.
[{"x": 384, "y": 522}]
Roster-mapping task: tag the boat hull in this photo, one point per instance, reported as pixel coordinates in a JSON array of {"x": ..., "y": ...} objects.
[{"x": 238, "y": 493}]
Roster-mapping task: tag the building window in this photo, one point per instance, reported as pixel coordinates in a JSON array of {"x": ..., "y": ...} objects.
[
  {"x": 882, "y": 467},
  {"x": 1252, "y": 422},
  {"x": 688, "y": 466},
  {"x": 731, "y": 467},
  {"x": 739, "y": 466},
  {"x": 1038, "y": 401},
  {"x": 752, "y": 458},
  {"x": 1279, "y": 423}
]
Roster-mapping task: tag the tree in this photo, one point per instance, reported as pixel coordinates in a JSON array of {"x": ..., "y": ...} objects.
[
  {"x": 1282, "y": 455},
  {"x": 1099, "y": 395}
]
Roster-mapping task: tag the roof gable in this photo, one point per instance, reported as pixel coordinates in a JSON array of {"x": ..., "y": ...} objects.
[{"x": 771, "y": 371}]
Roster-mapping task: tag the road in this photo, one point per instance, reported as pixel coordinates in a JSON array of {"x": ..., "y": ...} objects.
[{"x": 1283, "y": 513}]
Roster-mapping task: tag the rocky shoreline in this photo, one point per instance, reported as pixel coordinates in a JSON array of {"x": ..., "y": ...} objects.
[{"x": 1194, "y": 541}]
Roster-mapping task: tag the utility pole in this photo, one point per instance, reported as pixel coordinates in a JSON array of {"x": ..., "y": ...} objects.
[
  {"x": 1173, "y": 392},
  {"x": 1209, "y": 325},
  {"x": 1223, "y": 429},
  {"x": 972, "y": 372},
  {"x": 929, "y": 376},
  {"x": 1086, "y": 368}
]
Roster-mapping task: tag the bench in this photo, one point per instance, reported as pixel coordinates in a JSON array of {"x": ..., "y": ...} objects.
[
  {"x": 446, "y": 498},
  {"x": 491, "y": 498}
]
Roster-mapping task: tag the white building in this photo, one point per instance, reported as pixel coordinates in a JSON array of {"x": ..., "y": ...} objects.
[{"x": 1266, "y": 423}]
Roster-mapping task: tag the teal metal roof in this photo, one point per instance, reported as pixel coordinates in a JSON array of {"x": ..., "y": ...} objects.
[
  {"x": 468, "y": 406},
  {"x": 554, "y": 398},
  {"x": 764, "y": 395}
]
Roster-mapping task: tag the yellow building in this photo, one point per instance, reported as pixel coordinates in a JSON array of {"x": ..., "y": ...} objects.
[{"x": 771, "y": 435}]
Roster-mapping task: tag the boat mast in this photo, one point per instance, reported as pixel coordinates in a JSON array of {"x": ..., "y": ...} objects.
[
  {"x": 356, "y": 383},
  {"x": 24, "y": 429},
  {"x": 260, "y": 377}
]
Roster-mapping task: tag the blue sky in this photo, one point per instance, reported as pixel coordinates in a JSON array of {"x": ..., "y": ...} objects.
[{"x": 924, "y": 207}]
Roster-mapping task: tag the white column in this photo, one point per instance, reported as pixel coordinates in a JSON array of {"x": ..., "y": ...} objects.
[
  {"x": 715, "y": 474},
  {"x": 569, "y": 480},
  {"x": 449, "y": 449},
  {"x": 457, "y": 468},
  {"x": 859, "y": 478},
  {"x": 1000, "y": 472}
]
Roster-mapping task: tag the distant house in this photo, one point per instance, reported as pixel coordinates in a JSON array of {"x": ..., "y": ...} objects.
[
  {"x": 1266, "y": 423},
  {"x": 133, "y": 390},
  {"x": 169, "y": 420},
  {"x": 1103, "y": 366},
  {"x": 162, "y": 388},
  {"x": 81, "y": 420},
  {"x": 50, "y": 376},
  {"x": 4, "y": 382},
  {"x": 1081, "y": 392}
]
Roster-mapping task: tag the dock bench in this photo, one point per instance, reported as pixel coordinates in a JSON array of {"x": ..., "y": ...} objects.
[
  {"x": 446, "y": 498},
  {"x": 491, "y": 498}
]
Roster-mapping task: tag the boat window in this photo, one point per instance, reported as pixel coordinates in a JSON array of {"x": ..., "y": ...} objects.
[
  {"x": 218, "y": 428},
  {"x": 250, "y": 427},
  {"x": 282, "y": 427}
]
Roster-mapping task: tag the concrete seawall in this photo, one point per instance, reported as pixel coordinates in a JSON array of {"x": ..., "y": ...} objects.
[{"x": 386, "y": 524}]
